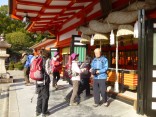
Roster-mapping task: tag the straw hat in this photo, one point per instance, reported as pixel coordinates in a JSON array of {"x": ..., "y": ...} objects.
[
  {"x": 24, "y": 53},
  {"x": 74, "y": 55},
  {"x": 56, "y": 53}
]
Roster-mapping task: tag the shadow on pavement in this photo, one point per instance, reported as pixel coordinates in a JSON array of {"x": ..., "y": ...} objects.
[
  {"x": 58, "y": 107},
  {"x": 4, "y": 96},
  {"x": 19, "y": 84},
  {"x": 19, "y": 80},
  {"x": 15, "y": 89},
  {"x": 61, "y": 87}
]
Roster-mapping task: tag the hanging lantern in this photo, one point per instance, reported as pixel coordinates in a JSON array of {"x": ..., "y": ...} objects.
[
  {"x": 136, "y": 30},
  {"x": 112, "y": 38},
  {"x": 92, "y": 41}
]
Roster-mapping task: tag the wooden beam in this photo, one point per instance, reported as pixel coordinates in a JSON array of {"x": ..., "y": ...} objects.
[{"x": 29, "y": 3}]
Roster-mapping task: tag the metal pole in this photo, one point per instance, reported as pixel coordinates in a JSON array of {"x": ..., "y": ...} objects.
[
  {"x": 122, "y": 81},
  {"x": 116, "y": 87}
]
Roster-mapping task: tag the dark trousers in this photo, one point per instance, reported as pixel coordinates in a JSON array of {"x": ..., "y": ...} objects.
[
  {"x": 56, "y": 77},
  {"x": 99, "y": 87},
  {"x": 84, "y": 85},
  {"x": 43, "y": 97}
]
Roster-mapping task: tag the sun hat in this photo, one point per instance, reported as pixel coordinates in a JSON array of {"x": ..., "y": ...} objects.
[
  {"x": 24, "y": 53},
  {"x": 56, "y": 53},
  {"x": 74, "y": 55}
]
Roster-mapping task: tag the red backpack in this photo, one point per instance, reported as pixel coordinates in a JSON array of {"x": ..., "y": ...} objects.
[
  {"x": 68, "y": 67},
  {"x": 36, "y": 72}
]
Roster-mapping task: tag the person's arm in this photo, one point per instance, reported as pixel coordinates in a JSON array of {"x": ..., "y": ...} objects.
[
  {"x": 23, "y": 60},
  {"x": 56, "y": 63},
  {"x": 76, "y": 68},
  {"x": 104, "y": 66},
  {"x": 47, "y": 66}
]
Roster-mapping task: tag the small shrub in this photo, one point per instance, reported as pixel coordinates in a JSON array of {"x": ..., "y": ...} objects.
[
  {"x": 11, "y": 65},
  {"x": 18, "y": 65}
]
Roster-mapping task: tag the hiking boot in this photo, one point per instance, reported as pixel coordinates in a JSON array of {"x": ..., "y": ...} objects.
[
  {"x": 37, "y": 113},
  {"x": 89, "y": 95},
  {"x": 73, "y": 104},
  {"x": 47, "y": 113},
  {"x": 27, "y": 84},
  {"x": 67, "y": 100},
  {"x": 56, "y": 86}
]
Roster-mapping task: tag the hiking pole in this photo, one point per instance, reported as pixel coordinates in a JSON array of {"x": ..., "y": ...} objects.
[{"x": 32, "y": 98}]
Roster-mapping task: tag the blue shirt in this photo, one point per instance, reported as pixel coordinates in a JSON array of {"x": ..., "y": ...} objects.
[
  {"x": 102, "y": 65},
  {"x": 28, "y": 62}
]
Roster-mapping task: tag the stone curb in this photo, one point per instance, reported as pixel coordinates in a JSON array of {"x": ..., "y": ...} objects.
[{"x": 5, "y": 101}]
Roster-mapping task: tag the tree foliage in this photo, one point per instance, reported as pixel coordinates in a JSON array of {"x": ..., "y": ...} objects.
[
  {"x": 19, "y": 40},
  {"x": 15, "y": 33}
]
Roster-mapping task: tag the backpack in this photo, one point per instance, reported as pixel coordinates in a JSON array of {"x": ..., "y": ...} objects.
[
  {"x": 68, "y": 67},
  {"x": 36, "y": 70},
  {"x": 51, "y": 65}
]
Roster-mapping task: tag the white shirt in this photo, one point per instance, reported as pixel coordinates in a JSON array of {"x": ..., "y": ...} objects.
[{"x": 75, "y": 68}]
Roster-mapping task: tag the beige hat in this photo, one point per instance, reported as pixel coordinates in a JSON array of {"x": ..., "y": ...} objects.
[{"x": 23, "y": 53}]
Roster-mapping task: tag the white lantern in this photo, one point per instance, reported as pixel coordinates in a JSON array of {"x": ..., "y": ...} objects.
[
  {"x": 112, "y": 38},
  {"x": 92, "y": 41},
  {"x": 136, "y": 30}
]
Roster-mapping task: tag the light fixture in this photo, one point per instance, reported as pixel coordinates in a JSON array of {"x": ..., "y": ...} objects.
[
  {"x": 92, "y": 41},
  {"x": 112, "y": 38},
  {"x": 25, "y": 19},
  {"x": 35, "y": 35},
  {"x": 136, "y": 30}
]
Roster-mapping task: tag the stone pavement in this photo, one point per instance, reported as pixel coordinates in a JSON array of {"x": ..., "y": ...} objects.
[
  {"x": 20, "y": 102},
  {"x": 4, "y": 99}
]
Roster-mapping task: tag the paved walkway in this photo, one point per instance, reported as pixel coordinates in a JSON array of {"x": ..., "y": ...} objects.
[
  {"x": 4, "y": 99},
  {"x": 20, "y": 103}
]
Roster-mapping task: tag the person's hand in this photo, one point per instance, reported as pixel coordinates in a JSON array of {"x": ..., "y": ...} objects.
[
  {"x": 83, "y": 69},
  {"x": 90, "y": 70},
  {"x": 97, "y": 71}
]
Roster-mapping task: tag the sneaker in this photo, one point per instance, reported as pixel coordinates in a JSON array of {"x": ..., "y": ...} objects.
[
  {"x": 56, "y": 86},
  {"x": 47, "y": 113},
  {"x": 67, "y": 99},
  {"x": 95, "y": 105},
  {"x": 27, "y": 84},
  {"x": 43, "y": 115},
  {"x": 89, "y": 95},
  {"x": 105, "y": 104},
  {"x": 73, "y": 104},
  {"x": 37, "y": 113}
]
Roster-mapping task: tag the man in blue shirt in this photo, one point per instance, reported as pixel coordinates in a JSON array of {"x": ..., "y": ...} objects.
[
  {"x": 27, "y": 68},
  {"x": 99, "y": 68}
]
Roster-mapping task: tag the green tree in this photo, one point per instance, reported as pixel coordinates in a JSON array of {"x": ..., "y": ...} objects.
[
  {"x": 16, "y": 34},
  {"x": 4, "y": 9},
  {"x": 19, "y": 40}
]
